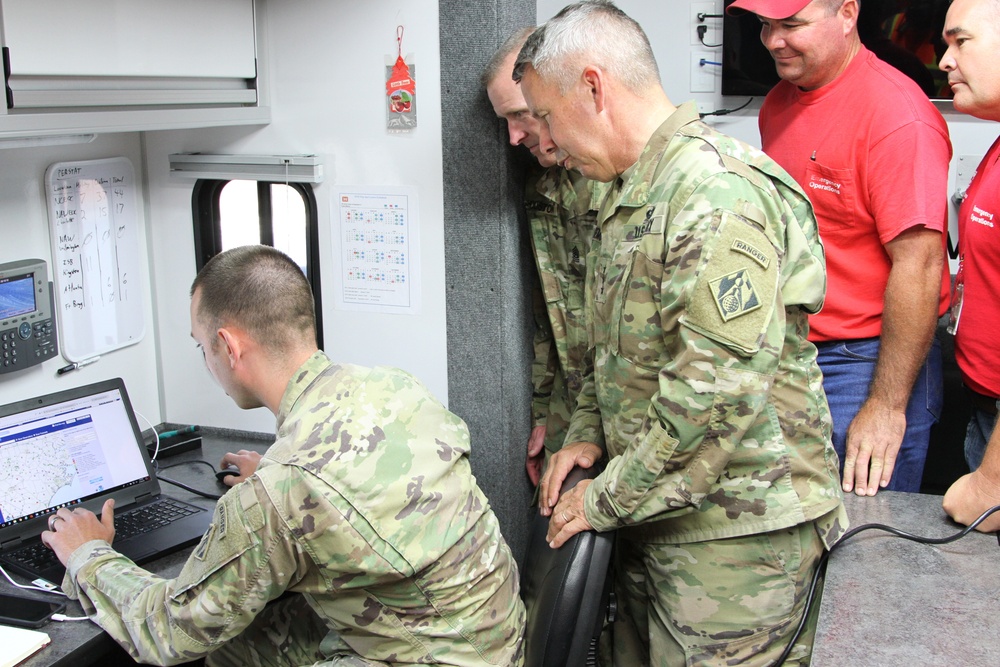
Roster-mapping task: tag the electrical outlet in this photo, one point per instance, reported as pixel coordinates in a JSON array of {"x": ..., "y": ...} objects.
[
  {"x": 713, "y": 27},
  {"x": 704, "y": 71}
]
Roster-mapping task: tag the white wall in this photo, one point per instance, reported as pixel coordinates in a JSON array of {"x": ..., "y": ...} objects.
[
  {"x": 24, "y": 233},
  {"x": 326, "y": 61}
]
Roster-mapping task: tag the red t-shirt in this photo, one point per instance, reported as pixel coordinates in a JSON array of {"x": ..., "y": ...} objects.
[
  {"x": 872, "y": 153},
  {"x": 976, "y": 340}
]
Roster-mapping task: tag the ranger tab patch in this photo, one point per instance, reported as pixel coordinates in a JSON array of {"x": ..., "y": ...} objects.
[
  {"x": 736, "y": 292},
  {"x": 744, "y": 248},
  {"x": 734, "y": 295}
]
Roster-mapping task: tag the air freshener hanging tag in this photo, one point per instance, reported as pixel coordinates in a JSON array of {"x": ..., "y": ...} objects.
[{"x": 401, "y": 92}]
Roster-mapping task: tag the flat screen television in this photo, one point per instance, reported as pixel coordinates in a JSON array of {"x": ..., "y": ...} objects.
[{"x": 904, "y": 33}]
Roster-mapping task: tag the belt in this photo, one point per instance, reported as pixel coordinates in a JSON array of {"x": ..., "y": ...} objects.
[{"x": 983, "y": 403}]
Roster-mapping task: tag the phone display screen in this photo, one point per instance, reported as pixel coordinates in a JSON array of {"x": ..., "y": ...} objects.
[{"x": 17, "y": 295}]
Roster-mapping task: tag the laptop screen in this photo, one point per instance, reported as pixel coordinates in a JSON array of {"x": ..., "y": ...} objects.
[{"x": 59, "y": 454}]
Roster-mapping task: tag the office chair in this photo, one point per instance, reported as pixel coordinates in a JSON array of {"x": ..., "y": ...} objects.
[{"x": 567, "y": 592}]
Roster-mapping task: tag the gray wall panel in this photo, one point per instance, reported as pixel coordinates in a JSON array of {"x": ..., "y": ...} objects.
[{"x": 488, "y": 262}]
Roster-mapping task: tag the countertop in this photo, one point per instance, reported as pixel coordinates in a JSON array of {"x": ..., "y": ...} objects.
[{"x": 891, "y": 602}]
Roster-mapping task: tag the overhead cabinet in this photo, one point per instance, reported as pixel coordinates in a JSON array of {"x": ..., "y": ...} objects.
[{"x": 65, "y": 57}]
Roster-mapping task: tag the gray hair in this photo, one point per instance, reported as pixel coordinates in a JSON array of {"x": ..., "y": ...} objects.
[
  {"x": 833, "y": 6},
  {"x": 595, "y": 31},
  {"x": 261, "y": 290},
  {"x": 510, "y": 46}
]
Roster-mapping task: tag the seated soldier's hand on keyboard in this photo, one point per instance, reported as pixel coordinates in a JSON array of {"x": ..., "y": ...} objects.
[{"x": 69, "y": 529}]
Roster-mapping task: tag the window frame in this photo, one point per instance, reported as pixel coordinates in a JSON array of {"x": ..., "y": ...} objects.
[{"x": 206, "y": 214}]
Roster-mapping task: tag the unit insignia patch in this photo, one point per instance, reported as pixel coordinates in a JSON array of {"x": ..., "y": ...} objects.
[{"x": 734, "y": 295}]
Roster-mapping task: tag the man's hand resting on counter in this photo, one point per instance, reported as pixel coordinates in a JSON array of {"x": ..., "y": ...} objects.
[{"x": 970, "y": 496}]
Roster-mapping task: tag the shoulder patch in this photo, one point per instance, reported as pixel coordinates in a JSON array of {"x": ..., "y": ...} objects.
[
  {"x": 227, "y": 538},
  {"x": 757, "y": 255},
  {"x": 734, "y": 297}
]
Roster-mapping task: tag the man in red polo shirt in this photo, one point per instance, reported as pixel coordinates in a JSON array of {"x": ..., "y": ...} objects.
[
  {"x": 972, "y": 32},
  {"x": 872, "y": 152}
]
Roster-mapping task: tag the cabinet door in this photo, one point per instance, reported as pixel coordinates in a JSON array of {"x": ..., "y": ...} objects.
[{"x": 107, "y": 53}]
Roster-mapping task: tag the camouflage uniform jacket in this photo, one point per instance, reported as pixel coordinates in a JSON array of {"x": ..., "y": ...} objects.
[
  {"x": 562, "y": 215},
  {"x": 714, "y": 416},
  {"x": 365, "y": 504}
]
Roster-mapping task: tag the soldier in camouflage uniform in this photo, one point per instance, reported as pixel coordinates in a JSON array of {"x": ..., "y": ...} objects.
[
  {"x": 562, "y": 214},
  {"x": 721, "y": 478},
  {"x": 365, "y": 505},
  {"x": 562, "y": 210}
]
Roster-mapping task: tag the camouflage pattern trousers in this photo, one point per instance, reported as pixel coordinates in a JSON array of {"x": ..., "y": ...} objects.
[
  {"x": 736, "y": 601},
  {"x": 288, "y": 633}
]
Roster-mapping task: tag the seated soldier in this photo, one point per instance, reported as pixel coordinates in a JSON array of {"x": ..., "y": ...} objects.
[{"x": 365, "y": 508}]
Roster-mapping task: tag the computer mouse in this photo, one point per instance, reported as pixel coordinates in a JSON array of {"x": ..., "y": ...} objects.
[{"x": 227, "y": 472}]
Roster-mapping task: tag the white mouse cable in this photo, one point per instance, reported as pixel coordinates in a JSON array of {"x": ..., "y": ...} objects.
[
  {"x": 30, "y": 587},
  {"x": 156, "y": 450}
]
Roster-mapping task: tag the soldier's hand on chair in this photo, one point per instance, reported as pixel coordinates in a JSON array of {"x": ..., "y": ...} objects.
[{"x": 583, "y": 454}]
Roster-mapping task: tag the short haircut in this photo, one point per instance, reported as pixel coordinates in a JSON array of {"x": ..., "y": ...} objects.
[
  {"x": 510, "y": 46},
  {"x": 593, "y": 32},
  {"x": 993, "y": 6},
  {"x": 260, "y": 290}
]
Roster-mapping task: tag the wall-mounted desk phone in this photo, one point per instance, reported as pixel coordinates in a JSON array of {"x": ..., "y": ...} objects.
[{"x": 27, "y": 321}]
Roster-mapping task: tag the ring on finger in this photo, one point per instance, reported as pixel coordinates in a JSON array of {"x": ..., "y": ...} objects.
[{"x": 52, "y": 521}]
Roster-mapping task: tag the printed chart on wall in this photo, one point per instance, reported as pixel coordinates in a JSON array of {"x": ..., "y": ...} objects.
[
  {"x": 95, "y": 251},
  {"x": 378, "y": 249}
]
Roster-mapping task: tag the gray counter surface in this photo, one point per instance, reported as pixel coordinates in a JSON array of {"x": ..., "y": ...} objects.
[{"x": 895, "y": 603}]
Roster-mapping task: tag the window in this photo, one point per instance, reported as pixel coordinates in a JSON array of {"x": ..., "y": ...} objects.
[{"x": 228, "y": 214}]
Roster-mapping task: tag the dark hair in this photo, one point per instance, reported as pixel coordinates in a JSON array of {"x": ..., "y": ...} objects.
[{"x": 260, "y": 290}]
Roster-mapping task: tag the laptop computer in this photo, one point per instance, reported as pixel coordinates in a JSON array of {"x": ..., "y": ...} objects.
[{"x": 77, "y": 448}]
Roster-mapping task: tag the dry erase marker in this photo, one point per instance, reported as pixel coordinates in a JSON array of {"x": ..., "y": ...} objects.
[{"x": 76, "y": 364}]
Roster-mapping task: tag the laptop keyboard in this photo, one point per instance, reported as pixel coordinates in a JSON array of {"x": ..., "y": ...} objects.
[
  {"x": 35, "y": 556},
  {"x": 150, "y": 516},
  {"x": 38, "y": 557}
]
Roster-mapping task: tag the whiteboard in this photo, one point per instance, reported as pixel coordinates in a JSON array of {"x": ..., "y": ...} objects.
[{"x": 95, "y": 250}]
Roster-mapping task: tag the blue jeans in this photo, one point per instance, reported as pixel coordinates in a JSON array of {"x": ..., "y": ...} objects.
[
  {"x": 977, "y": 435},
  {"x": 848, "y": 368}
]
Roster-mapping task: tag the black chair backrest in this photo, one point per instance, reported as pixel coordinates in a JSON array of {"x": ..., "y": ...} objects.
[{"x": 566, "y": 592}]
